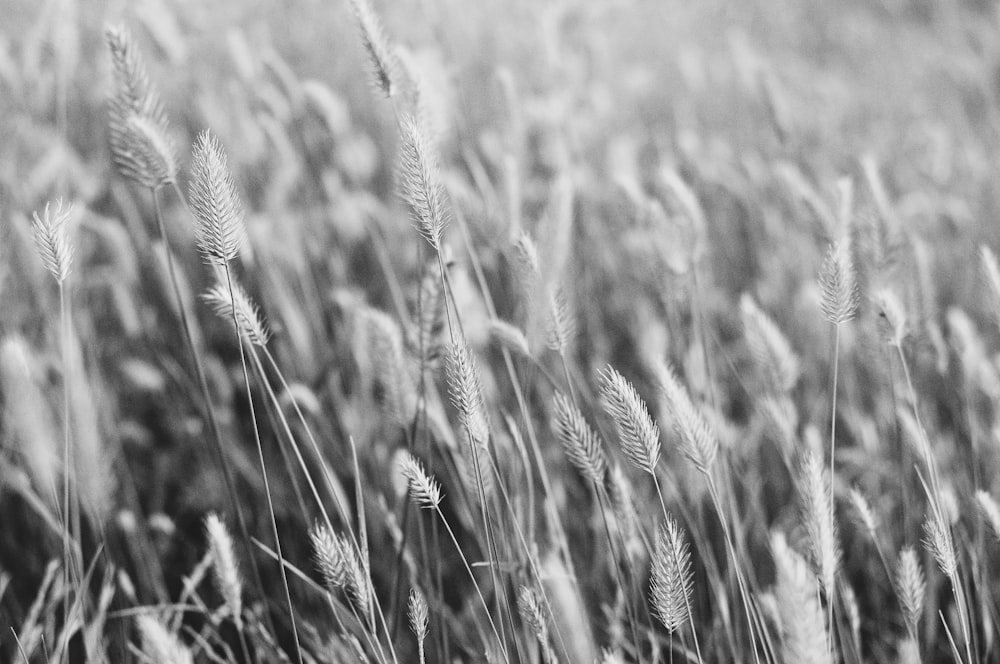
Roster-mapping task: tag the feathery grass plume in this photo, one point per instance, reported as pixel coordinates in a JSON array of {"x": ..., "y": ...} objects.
[
  {"x": 428, "y": 333},
  {"x": 421, "y": 182},
  {"x": 397, "y": 391},
  {"x": 52, "y": 241},
  {"x": 251, "y": 324},
  {"x": 529, "y": 605},
  {"x": 509, "y": 337},
  {"x": 893, "y": 314},
  {"x": 582, "y": 445},
  {"x": 991, "y": 272},
  {"x": 226, "y": 571},
  {"x": 770, "y": 349},
  {"x": 526, "y": 264},
  {"x": 145, "y": 153},
  {"x": 419, "y": 618},
  {"x": 821, "y": 532},
  {"x": 424, "y": 490},
  {"x": 160, "y": 646},
  {"x": 910, "y": 588},
  {"x": 864, "y": 511},
  {"x": 990, "y": 510},
  {"x": 638, "y": 434},
  {"x": 803, "y": 630},
  {"x": 698, "y": 441},
  {"x": 380, "y": 56},
  {"x": 328, "y": 556},
  {"x": 466, "y": 392},
  {"x": 562, "y": 324},
  {"x": 338, "y": 562},
  {"x": 672, "y": 580},
  {"x": 141, "y": 146},
  {"x": 838, "y": 284},
  {"x": 220, "y": 231},
  {"x": 938, "y": 541}
]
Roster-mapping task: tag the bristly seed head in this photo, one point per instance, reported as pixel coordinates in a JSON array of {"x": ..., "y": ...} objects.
[
  {"x": 380, "y": 56},
  {"x": 421, "y": 182},
  {"x": 220, "y": 231},
  {"x": 638, "y": 434},
  {"x": 52, "y": 241},
  {"x": 583, "y": 447},
  {"x": 698, "y": 441},
  {"x": 910, "y": 588},
  {"x": 671, "y": 580},
  {"x": 251, "y": 324},
  {"x": 839, "y": 285},
  {"x": 423, "y": 488}
]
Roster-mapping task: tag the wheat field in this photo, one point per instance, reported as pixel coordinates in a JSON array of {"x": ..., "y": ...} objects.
[{"x": 582, "y": 331}]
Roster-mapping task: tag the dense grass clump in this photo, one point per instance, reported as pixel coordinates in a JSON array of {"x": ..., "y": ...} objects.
[{"x": 577, "y": 332}]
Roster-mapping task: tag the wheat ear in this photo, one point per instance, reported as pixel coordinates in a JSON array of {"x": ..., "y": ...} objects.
[{"x": 638, "y": 434}]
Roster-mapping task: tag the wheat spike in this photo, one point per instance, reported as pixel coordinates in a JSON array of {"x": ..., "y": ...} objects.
[
  {"x": 419, "y": 618},
  {"x": 562, "y": 324},
  {"x": 938, "y": 541},
  {"x": 838, "y": 284},
  {"x": 582, "y": 445},
  {"x": 769, "y": 347},
  {"x": 821, "y": 534},
  {"x": 864, "y": 512},
  {"x": 423, "y": 488},
  {"x": 529, "y": 605},
  {"x": 328, "y": 555},
  {"x": 803, "y": 625},
  {"x": 509, "y": 337},
  {"x": 466, "y": 393},
  {"x": 910, "y": 588},
  {"x": 421, "y": 182},
  {"x": 638, "y": 434},
  {"x": 160, "y": 646},
  {"x": 698, "y": 441},
  {"x": 671, "y": 580},
  {"x": 248, "y": 317},
  {"x": 226, "y": 571},
  {"x": 220, "y": 231},
  {"x": 52, "y": 239},
  {"x": 140, "y": 142},
  {"x": 380, "y": 57}
]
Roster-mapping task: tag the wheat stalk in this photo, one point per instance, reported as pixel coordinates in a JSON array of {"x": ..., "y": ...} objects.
[
  {"x": 804, "y": 636},
  {"x": 582, "y": 445},
  {"x": 381, "y": 59},
  {"x": 239, "y": 306},
  {"x": 698, "y": 441},
  {"x": 421, "y": 182},
  {"x": 160, "y": 646},
  {"x": 638, "y": 434},
  {"x": 821, "y": 532},
  {"x": 141, "y": 146},
  {"x": 220, "y": 231},
  {"x": 910, "y": 588}
]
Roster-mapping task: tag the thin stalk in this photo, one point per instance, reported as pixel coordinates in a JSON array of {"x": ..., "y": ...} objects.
[
  {"x": 833, "y": 445},
  {"x": 206, "y": 396},
  {"x": 69, "y": 560},
  {"x": 676, "y": 561},
  {"x": 263, "y": 467},
  {"x": 751, "y": 625},
  {"x": 468, "y": 569}
]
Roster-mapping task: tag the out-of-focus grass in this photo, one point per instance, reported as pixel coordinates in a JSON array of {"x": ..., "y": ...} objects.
[{"x": 667, "y": 157}]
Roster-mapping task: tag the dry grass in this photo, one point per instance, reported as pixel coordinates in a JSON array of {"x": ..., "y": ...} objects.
[{"x": 531, "y": 332}]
